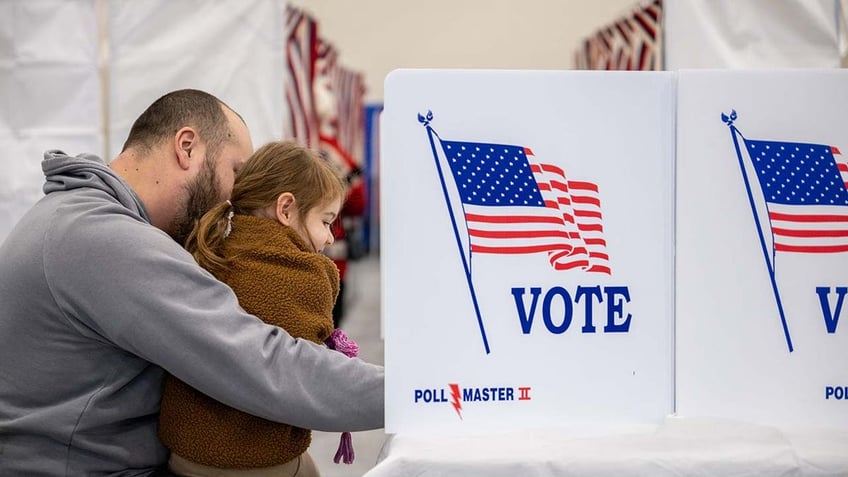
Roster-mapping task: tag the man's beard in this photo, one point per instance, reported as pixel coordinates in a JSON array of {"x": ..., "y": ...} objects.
[{"x": 201, "y": 194}]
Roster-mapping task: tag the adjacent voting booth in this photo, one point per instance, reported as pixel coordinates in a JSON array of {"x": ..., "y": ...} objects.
[
  {"x": 615, "y": 273},
  {"x": 762, "y": 246}
]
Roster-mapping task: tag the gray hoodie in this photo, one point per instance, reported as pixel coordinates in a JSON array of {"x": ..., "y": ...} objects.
[{"x": 95, "y": 302}]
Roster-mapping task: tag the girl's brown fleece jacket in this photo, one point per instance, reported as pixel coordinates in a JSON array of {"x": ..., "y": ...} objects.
[{"x": 282, "y": 282}]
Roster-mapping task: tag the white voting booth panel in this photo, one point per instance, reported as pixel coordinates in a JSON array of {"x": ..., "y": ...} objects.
[
  {"x": 526, "y": 249},
  {"x": 762, "y": 246}
]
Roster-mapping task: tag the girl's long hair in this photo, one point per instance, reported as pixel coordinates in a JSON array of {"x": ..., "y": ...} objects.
[{"x": 276, "y": 167}]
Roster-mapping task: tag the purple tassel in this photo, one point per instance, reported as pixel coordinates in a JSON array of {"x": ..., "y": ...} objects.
[
  {"x": 345, "y": 452},
  {"x": 339, "y": 341}
]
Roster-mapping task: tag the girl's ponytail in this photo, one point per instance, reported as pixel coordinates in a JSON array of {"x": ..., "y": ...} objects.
[{"x": 206, "y": 241}]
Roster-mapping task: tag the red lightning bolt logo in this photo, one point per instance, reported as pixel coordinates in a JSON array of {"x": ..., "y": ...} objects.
[{"x": 455, "y": 400}]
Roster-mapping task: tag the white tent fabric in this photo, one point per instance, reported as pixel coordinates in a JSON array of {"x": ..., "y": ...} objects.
[
  {"x": 752, "y": 34},
  {"x": 74, "y": 75},
  {"x": 234, "y": 50},
  {"x": 50, "y": 94},
  {"x": 843, "y": 32}
]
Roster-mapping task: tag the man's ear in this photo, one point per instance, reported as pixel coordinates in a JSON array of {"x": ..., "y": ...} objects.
[
  {"x": 286, "y": 208},
  {"x": 185, "y": 141}
]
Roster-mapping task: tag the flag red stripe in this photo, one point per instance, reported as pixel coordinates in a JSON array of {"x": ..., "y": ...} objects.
[
  {"x": 508, "y": 219},
  {"x": 808, "y": 217},
  {"x": 811, "y": 248},
  {"x": 583, "y": 185},
  {"x": 644, "y": 52},
  {"x": 600, "y": 269},
  {"x": 588, "y": 213},
  {"x": 553, "y": 169},
  {"x": 652, "y": 11},
  {"x": 516, "y": 250},
  {"x": 590, "y": 227},
  {"x": 579, "y": 199},
  {"x": 624, "y": 34},
  {"x": 809, "y": 233},
  {"x": 577, "y": 253},
  {"x": 571, "y": 265},
  {"x": 517, "y": 233},
  {"x": 604, "y": 36},
  {"x": 646, "y": 25},
  {"x": 559, "y": 185}
]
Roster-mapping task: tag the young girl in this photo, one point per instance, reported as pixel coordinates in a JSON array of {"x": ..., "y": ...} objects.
[{"x": 265, "y": 243}]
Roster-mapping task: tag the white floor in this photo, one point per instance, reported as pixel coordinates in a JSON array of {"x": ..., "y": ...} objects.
[{"x": 362, "y": 324}]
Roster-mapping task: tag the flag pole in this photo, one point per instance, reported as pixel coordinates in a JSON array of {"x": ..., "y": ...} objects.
[
  {"x": 425, "y": 120},
  {"x": 734, "y": 132}
]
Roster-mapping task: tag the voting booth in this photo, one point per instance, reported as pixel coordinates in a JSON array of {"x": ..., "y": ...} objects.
[
  {"x": 527, "y": 249},
  {"x": 655, "y": 289}
]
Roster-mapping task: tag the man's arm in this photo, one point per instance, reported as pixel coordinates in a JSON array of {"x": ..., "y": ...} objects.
[{"x": 138, "y": 289}]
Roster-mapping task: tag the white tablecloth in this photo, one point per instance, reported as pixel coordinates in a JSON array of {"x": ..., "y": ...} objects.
[{"x": 677, "y": 447}]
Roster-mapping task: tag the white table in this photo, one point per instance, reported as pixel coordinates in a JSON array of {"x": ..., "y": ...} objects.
[{"x": 677, "y": 447}]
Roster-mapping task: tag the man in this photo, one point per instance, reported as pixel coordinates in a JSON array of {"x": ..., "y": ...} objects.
[{"x": 98, "y": 300}]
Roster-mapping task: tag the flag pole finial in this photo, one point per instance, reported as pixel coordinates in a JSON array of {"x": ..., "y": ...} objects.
[
  {"x": 729, "y": 119},
  {"x": 425, "y": 120}
]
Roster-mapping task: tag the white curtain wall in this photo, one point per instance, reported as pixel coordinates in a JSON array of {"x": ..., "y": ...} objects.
[
  {"x": 752, "y": 34},
  {"x": 50, "y": 93},
  {"x": 74, "y": 75},
  {"x": 232, "y": 49}
]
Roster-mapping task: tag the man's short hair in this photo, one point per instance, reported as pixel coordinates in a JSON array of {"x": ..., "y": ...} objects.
[{"x": 178, "y": 109}]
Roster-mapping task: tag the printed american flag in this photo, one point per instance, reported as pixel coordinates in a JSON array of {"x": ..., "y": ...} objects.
[
  {"x": 805, "y": 190},
  {"x": 514, "y": 205}
]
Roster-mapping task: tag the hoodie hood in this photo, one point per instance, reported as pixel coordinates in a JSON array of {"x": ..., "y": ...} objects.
[{"x": 63, "y": 173}]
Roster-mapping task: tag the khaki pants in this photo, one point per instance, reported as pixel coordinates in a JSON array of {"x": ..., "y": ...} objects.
[{"x": 300, "y": 466}]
